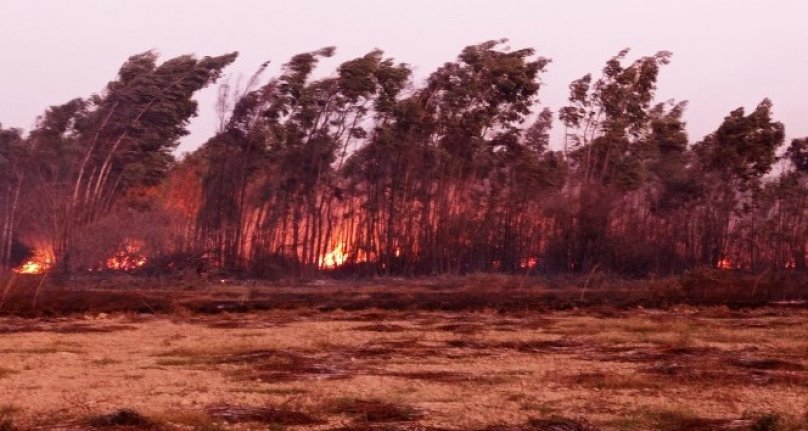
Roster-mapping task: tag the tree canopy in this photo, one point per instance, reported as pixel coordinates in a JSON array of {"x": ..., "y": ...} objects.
[{"x": 367, "y": 170}]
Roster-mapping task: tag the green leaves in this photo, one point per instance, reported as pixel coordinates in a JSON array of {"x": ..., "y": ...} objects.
[
  {"x": 400, "y": 177},
  {"x": 743, "y": 147},
  {"x": 85, "y": 154},
  {"x": 482, "y": 97},
  {"x": 608, "y": 121},
  {"x": 797, "y": 154}
]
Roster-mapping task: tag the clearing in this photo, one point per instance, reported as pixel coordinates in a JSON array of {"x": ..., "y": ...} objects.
[{"x": 684, "y": 368}]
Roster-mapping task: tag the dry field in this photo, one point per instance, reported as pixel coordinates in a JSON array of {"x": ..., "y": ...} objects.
[{"x": 680, "y": 369}]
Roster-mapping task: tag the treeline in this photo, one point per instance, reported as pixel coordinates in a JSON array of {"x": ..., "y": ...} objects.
[{"x": 368, "y": 171}]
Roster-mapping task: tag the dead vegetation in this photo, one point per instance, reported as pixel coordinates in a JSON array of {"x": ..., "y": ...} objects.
[
  {"x": 25, "y": 325},
  {"x": 507, "y": 294},
  {"x": 380, "y": 327},
  {"x": 284, "y": 366},
  {"x": 375, "y": 411},
  {"x": 713, "y": 365},
  {"x": 548, "y": 424},
  {"x": 683, "y": 369},
  {"x": 278, "y": 416},
  {"x": 121, "y": 418},
  {"x": 7, "y": 418}
]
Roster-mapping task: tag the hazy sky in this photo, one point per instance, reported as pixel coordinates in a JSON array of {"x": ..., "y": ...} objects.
[{"x": 727, "y": 53}]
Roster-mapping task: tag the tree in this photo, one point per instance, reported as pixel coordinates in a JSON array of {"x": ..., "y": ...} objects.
[
  {"x": 731, "y": 162},
  {"x": 608, "y": 123},
  {"x": 427, "y": 172},
  {"x": 365, "y": 171},
  {"x": 288, "y": 140},
  {"x": 12, "y": 173},
  {"x": 85, "y": 153}
]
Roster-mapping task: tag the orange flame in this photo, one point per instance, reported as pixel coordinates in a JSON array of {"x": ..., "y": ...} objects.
[
  {"x": 128, "y": 258},
  {"x": 528, "y": 262},
  {"x": 724, "y": 264},
  {"x": 32, "y": 267},
  {"x": 334, "y": 258},
  {"x": 39, "y": 263}
]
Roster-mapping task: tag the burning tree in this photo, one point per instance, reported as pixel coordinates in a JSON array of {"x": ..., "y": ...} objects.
[
  {"x": 84, "y": 154},
  {"x": 129, "y": 256},
  {"x": 126, "y": 239},
  {"x": 365, "y": 170}
]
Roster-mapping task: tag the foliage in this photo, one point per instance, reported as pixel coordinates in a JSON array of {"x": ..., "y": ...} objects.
[{"x": 365, "y": 171}]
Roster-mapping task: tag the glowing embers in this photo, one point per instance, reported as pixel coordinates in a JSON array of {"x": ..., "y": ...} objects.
[
  {"x": 724, "y": 264},
  {"x": 129, "y": 258},
  {"x": 39, "y": 263},
  {"x": 528, "y": 262}
]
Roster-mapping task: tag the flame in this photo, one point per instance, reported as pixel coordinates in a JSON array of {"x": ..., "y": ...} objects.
[
  {"x": 334, "y": 258},
  {"x": 39, "y": 263},
  {"x": 32, "y": 267},
  {"x": 724, "y": 264},
  {"x": 128, "y": 258},
  {"x": 528, "y": 262}
]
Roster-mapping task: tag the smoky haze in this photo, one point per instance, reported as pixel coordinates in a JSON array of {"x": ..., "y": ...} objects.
[{"x": 726, "y": 53}]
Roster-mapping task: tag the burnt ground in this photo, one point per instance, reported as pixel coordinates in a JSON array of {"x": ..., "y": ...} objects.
[
  {"x": 241, "y": 297},
  {"x": 44, "y": 296},
  {"x": 376, "y": 368}
]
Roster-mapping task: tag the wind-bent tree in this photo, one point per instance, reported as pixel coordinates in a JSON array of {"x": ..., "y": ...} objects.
[
  {"x": 285, "y": 143},
  {"x": 87, "y": 152},
  {"x": 428, "y": 172},
  {"x": 731, "y": 162},
  {"x": 367, "y": 172},
  {"x": 608, "y": 139},
  {"x": 773, "y": 233},
  {"x": 12, "y": 173},
  {"x": 792, "y": 211}
]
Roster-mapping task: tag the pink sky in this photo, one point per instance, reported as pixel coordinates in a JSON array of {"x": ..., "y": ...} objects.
[{"x": 727, "y": 53}]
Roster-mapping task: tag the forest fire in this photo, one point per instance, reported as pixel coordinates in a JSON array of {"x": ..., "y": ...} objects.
[
  {"x": 334, "y": 258},
  {"x": 39, "y": 263},
  {"x": 32, "y": 267},
  {"x": 528, "y": 262},
  {"x": 724, "y": 264},
  {"x": 129, "y": 258},
  {"x": 325, "y": 183}
]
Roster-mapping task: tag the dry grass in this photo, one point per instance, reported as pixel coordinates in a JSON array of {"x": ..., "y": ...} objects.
[
  {"x": 374, "y": 410},
  {"x": 510, "y": 293},
  {"x": 7, "y": 413},
  {"x": 270, "y": 415},
  {"x": 124, "y": 418},
  {"x": 678, "y": 370},
  {"x": 4, "y": 372}
]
